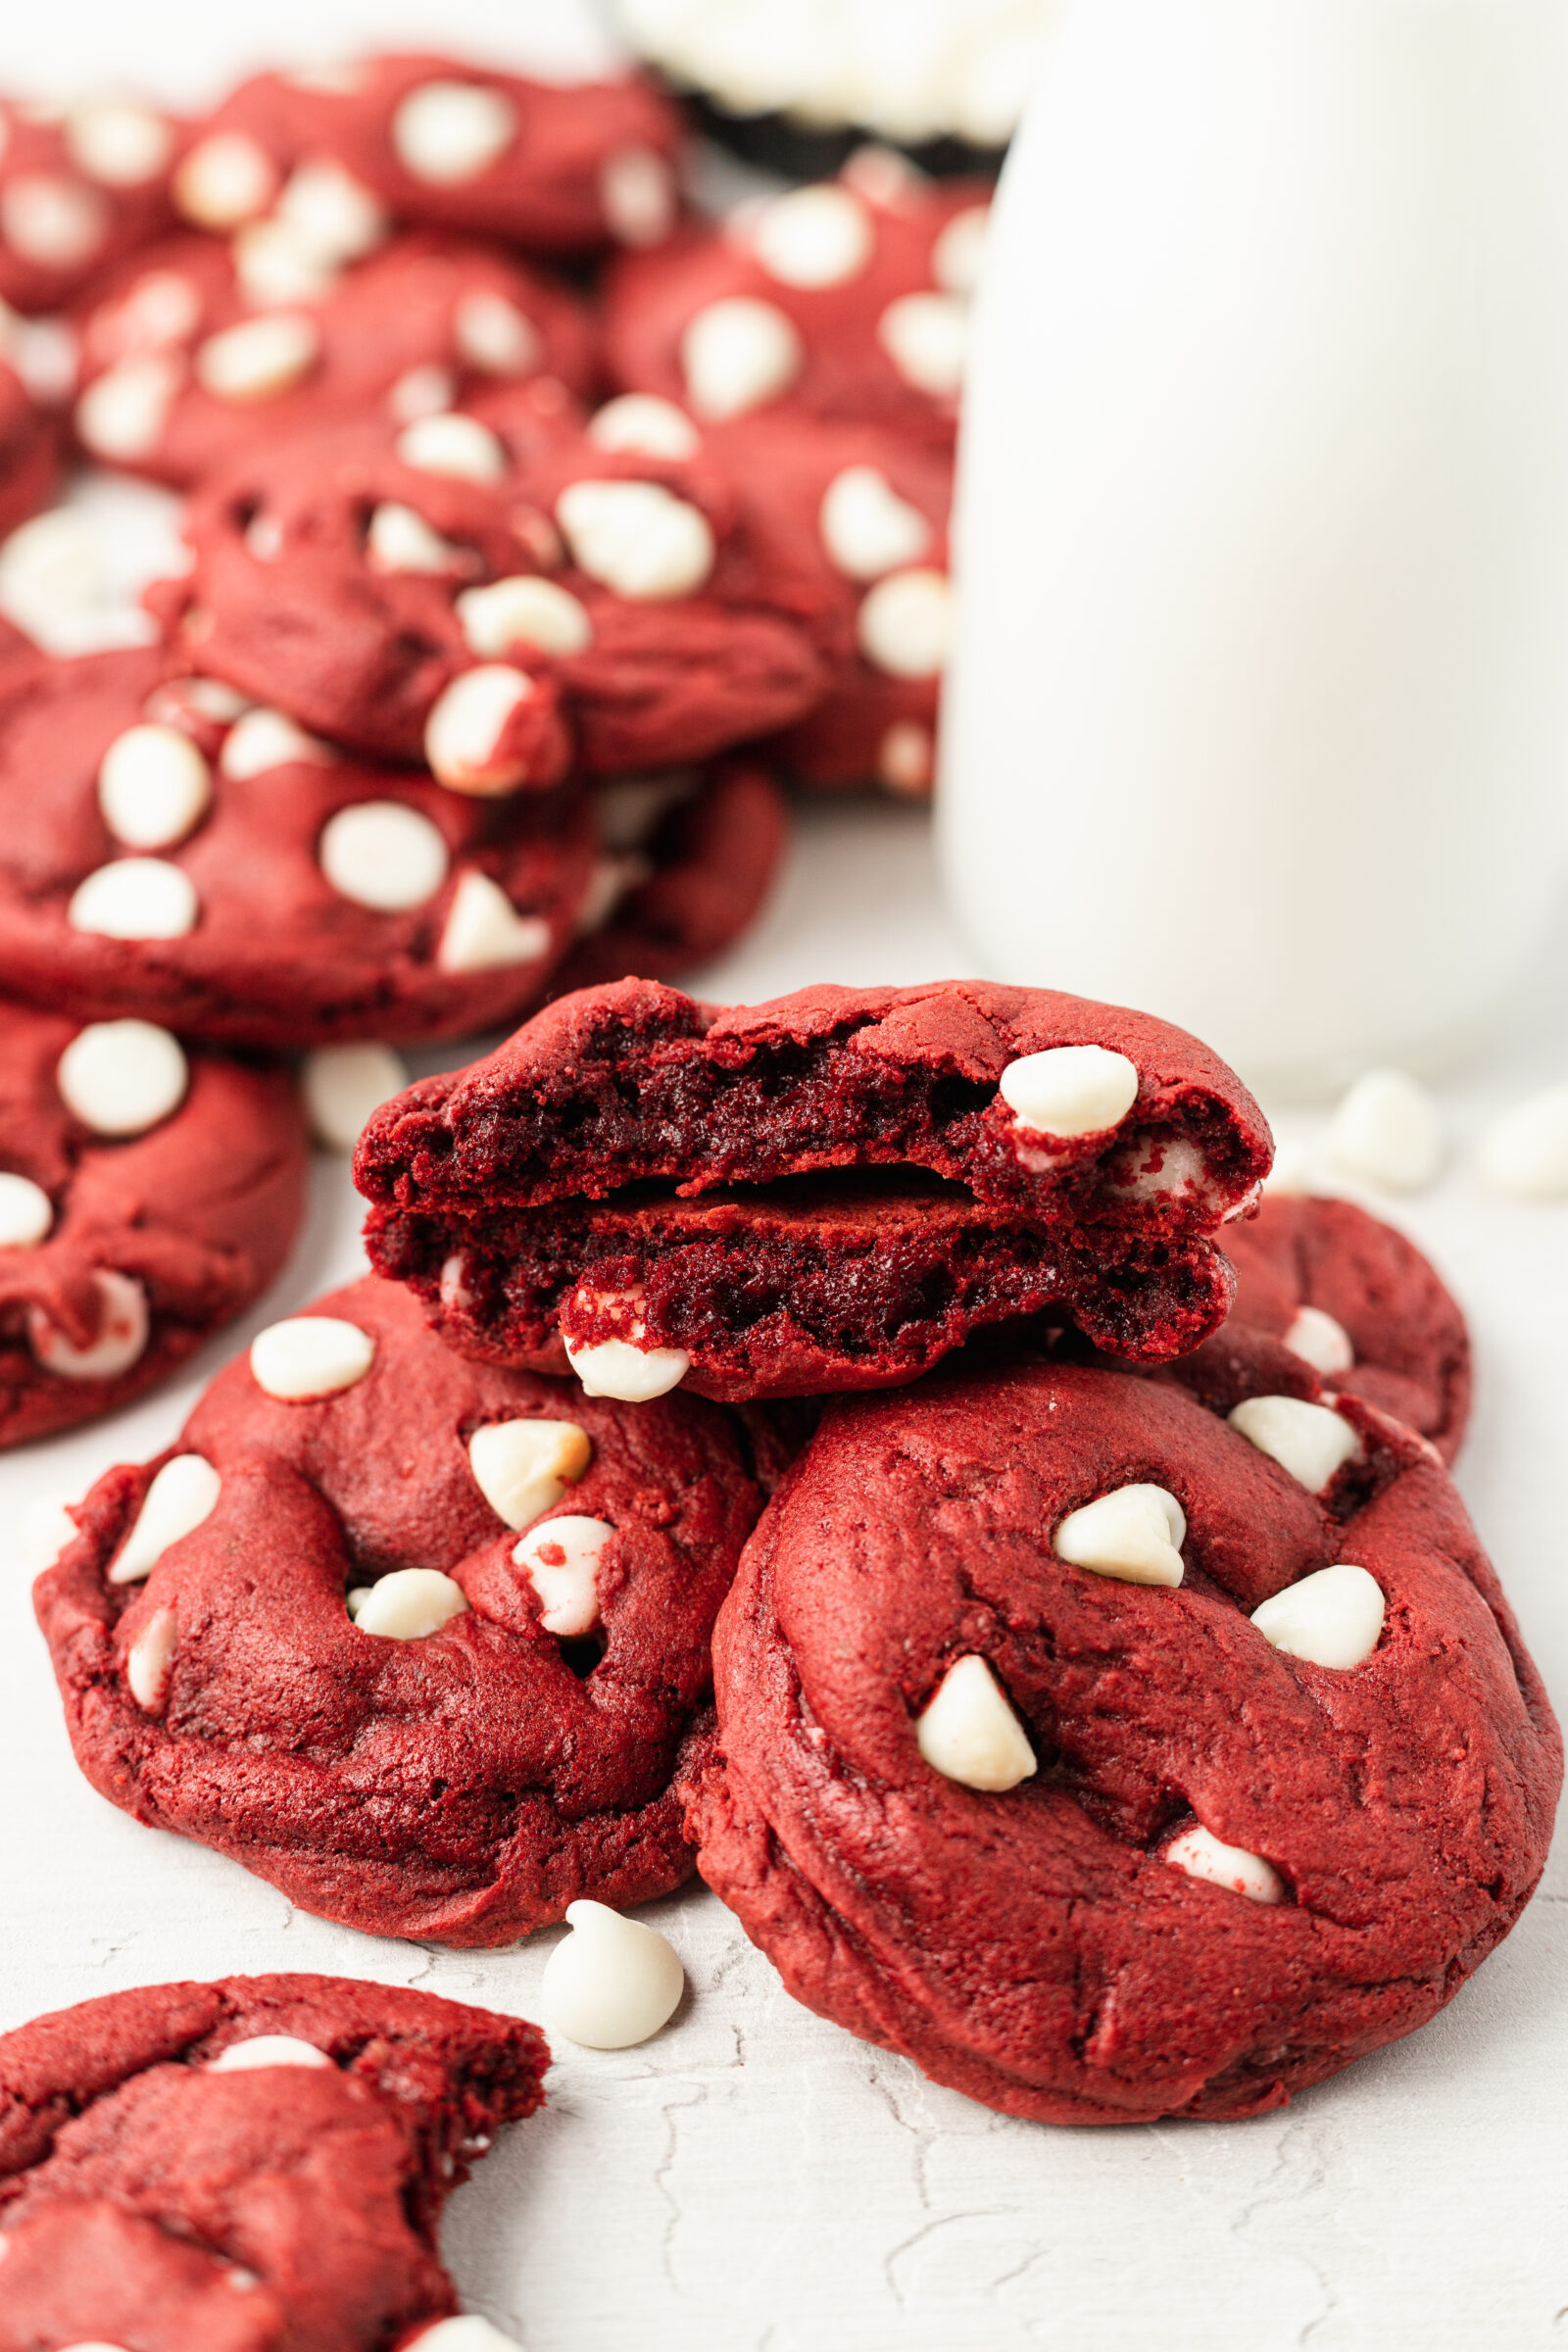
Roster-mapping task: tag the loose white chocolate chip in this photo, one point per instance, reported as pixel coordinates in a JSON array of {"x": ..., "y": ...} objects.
[
  {"x": 259, "y": 357},
  {"x": 523, "y": 610},
  {"x": 150, "y": 1658},
  {"x": 906, "y": 760},
  {"x": 1386, "y": 1131},
  {"x": 421, "y": 392},
  {"x": 927, "y": 336},
  {"x": 814, "y": 236},
  {"x": 1069, "y": 1090},
  {"x": 179, "y": 1498},
  {"x": 522, "y": 1467},
  {"x": 266, "y": 2049},
  {"x": 398, "y": 539},
  {"x": 344, "y": 1085},
  {"x": 122, "y": 1077},
  {"x": 617, "y": 1368},
  {"x": 121, "y": 417},
  {"x": 118, "y": 144},
  {"x": 636, "y": 538},
  {"x": 612, "y": 1983},
  {"x": 1319, "y": 1341},
  {"x": 275, "y": 265},
  {"x": 224, "y": 179},
  {"x": 154, "y": 787},
  {"x": 135, "y": 898},
  {"x": 646, "y": 425},
  {"x": 866, "y": 529},
  {"x": 968, "y": 1732},
  {"x": 1525, "y": 1152},
  {"x": 383, "y": 855},
  {"x": 1133, "y": 1533},
  {"x": 1309, "y": 1440},
  {"x": 637, "y": 192},
  {"x": 738, "y": 353},
  {"x": 333, "y": 215},
  {"x": 457, "y": 447},
  {"x": 27, "y": 1212},
  {"x": 561, "y": 1559},
  {"x": 1201, "y": 1854},
  {"x": 410, "y": 1604},
  {"x": 492, "y": 334},
  {"x": 54, "y": 222},
  {"x": 264, "y": 739},
  {"x": 309, "y": 1357},
  {"x": 468, "y": 723},
  {"x": 468, "y": 2332},
  {"x": 445, "y": 132},
  {"x": 959, "y": 251},
  {"x": 905, "y": 625},
  {"x": 1333, "y": 1617},
  {"x": 120, "y": 1341}
]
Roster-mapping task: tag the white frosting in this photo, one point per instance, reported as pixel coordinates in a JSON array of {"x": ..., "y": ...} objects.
[
  {"x": 968, "y": 1732},
  {"x": 612, "y": 1983}
]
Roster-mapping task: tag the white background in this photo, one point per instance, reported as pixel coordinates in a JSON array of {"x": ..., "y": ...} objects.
[{"x": 754, "y": 2178}]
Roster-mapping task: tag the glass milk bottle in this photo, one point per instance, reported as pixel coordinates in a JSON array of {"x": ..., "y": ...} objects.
[{"x": 1258, "y": 712}]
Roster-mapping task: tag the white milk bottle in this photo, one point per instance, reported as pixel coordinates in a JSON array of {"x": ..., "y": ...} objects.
[{"x": 1258, "y": 714}]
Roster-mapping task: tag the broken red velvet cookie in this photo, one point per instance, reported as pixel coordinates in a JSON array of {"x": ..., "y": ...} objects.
[
  {"x": 1111, "y": 1759},
  {"x": 827, "y": 1192},
  {"x": 257, "y": 2165}
]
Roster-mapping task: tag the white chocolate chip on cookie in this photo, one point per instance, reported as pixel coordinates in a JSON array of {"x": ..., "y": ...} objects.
[
  {"x": 122, "y": 1077},
  {"x": 1069, "y": 1090},
  {"x": 969, "y": 1734},
  {"x": 307, "y": 1356},
  {"x": 561, "y": 1559},
  {"x": 1309, "y": 1440},
  {"x": 522, "y": 1467},
  {"x": 154, "y": 787},
  {"x": 182, "y": 1494},
  {"x": 1135, "y": 1533}
]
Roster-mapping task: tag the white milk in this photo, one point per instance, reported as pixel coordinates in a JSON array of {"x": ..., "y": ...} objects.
[{"x": 1260, "y": 711}]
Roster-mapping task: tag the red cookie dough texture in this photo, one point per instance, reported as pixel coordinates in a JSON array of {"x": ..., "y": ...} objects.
[
  {"x": 450, "y": 145},
  {"x": 827, "y": 1192},
  {"x": 461, "y": 1775},
  {"x": 29, "y": 452},
  {"x": 147, "y": 1196},
  {"x": 848, "y": 298},
  {"x": 78, "y": 187},
  {"x": 171, "y": 852},
  {"x": 487, "y": 590},
  {"x": 177, "y": 2169},
  {"x": 197, "y": 349},
  {"x": 1179, "y": 1871}
]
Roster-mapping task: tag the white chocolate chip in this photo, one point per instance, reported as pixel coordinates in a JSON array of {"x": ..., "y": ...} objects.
[
  {"x": 47, "y": 1527},
  {"x": 153, "y": 787},
  {"x": 181, "y": 1495},
  {"x": 224, "y": 179},
  {"x": 264, "y": 536},
  {"x": 383, "y": 855},
  {"x": 333, "y": 215},
  {"x": 53, "y": 221},
  {"x": 120, "y": 1341},
  {"x": 423, "y": 391},
  {"x": 468, "y": 723},
  {"x": 636, "y": 538},
  {"x": 637, "y": 190},
  {"x": 135, "y": 898},
  {"x": 410, "y": 1604},
  {"x": 906, "y": 760},
  {"x": 149, "y": 1661},
  {"x": 264, "y": 739},
  {"x": 456, "y": 1295},
  {"x": 122, "y": 1077},
  {"x": 1133, "y": 1533},
  {"x": 1387, "y": 1132},
  {"x": 814, "y": 237},
  {"x": 116, "y": 143},
  {"x": 309, "y": 1356},
  {"x": 1069, "y": 1090},
  {"x": 259, "y": 357},
  {"x": 484, "y": 932},
  {"x": 968, "y": 1732},
  {"x": 522, "y": 1467},
  {"x": 468, "y": 2332},
  {"x": 397, "y": 539},
  {"x": 523, "y": 610},
  {"x": 206, "y": 698},
  {"x": 906, "y": 623},
  {"x": 622, "y": 1369},
  {"x": 959, "y": 251},
  {"x": 561, "y": 1559},
  {"x": 164, "y": 306},
  {"x": 266, "y": 2049},
  {"x": 445, "y": 132},
  {"x": 738, "y": 353},
  {"x": 646, "y": 425},
  {"x": 866, "y": 529},
  {"x": 275, "y": 265},
  {"x": 1289, "y": 1173},
  {"x": 27, "y": 1212},
  {"x": 1201, "y": 1854},
  {"x": 612, "y": 1983},
  {"x": 121, "y": 417},
  {"x": 491, "y": 333},
  {"x": 1523, "y": 1153},
  {"x": 1319, "y": 1341},
  {"x": 344, "y": 1085},
  {"x": 1333, "y": 1617},
  {"x": 1309, "y": 1440},
  {"x": 927, "y": 336},
  {"x": 457, "y": 447}
]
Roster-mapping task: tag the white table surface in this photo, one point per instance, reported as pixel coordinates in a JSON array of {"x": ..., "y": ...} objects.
[{"x": 755, "y": 2178}]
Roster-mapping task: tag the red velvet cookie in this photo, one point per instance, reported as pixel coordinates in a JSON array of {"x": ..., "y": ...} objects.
[
  {"x": 258, "y": 2165},
  {"x": 827, "y": 1192},
  {"x": 484, "y": 588},
  {"x": 29, "y": 452},
  {"x": 78, "y": 187},
  {"x": 200, "y": 346},
  {"x": 447, "y": 145},
  {"x": 849, "y": 299},
  {"x": 167, "y": 851},
  {"x": 311, "y": 1636},
  {"x": 147, "y": 1195},
  {"x": 1078, "y": 1748}
]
